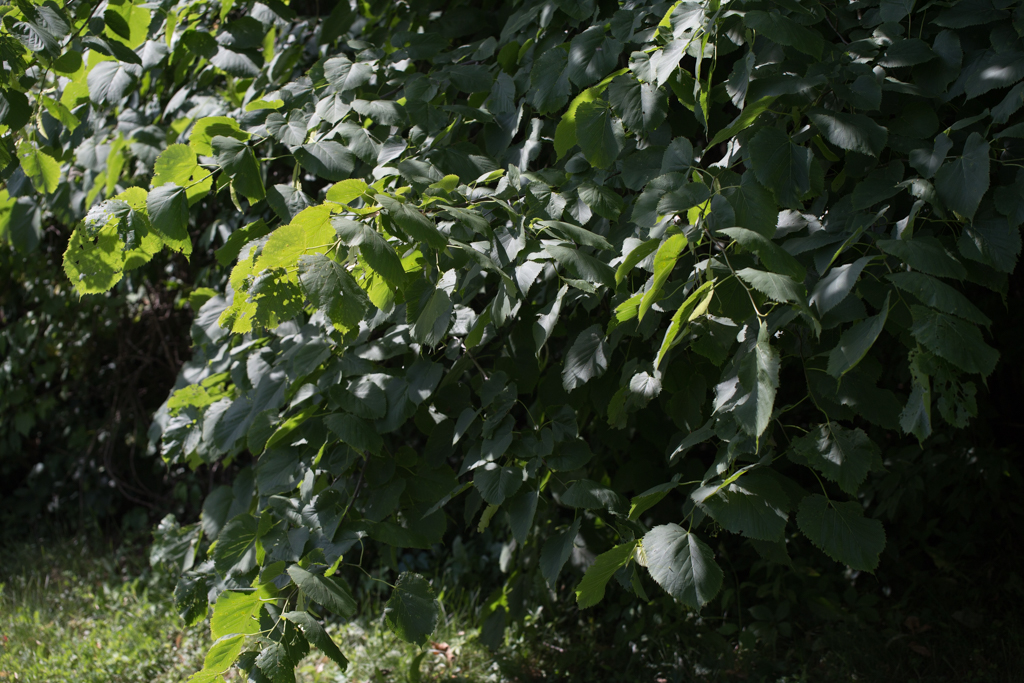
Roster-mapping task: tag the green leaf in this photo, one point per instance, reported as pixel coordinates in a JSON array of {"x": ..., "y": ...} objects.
[
  {"x": 167, "y": 206},
  {"x": 781, "y": 288},
  {"x": 598, "y": 134},
  {"x": 643, "y": 502},
  {"x": 521, "y": 509},
  {"x": 781, "y": 165},
  {"x": 374, "y": 249},
  {"x": 753, "y": 205},
  {"x": 953, "y": 339},
  {"x": 757, "y": 372},
  {"x": 856, "y": 342},
  {"x": 222, "y": 655},
  {"x": 316, "y": 635},
  {"x": 641, "y": 106},
  {"x": 842, "y": 455},
  {"x": 916, "y": 417},
  {"x": 42, "y": 169},
  {"x": 412, "y": 611},
  {"x": 664, "y": 263},
  {"x": 587, "y": 358},
  {"x": 94, "y": 262},
  {"x": 582, "y": 266},
  {"x": 496, "y": 483},
  {"x": 556, "y": 552},
  {"x": 330, "y": 591},
  {"x": 111, "y": 82},
  {"x": 327, "y": 158},
  {"x": 355, "y": 432},
  {"x": 331, "y": 288},
  {"x": 752, "y": 505},
  {"x": 592, "y": 55},
  {"x": 785, "y": 31},
  {"x": 237, "y": 612},
  {"x": 549, "y": 81},
  {"x": 926, "y": 254},
  {"x": 434, "y": 320},
  {"x": 238, "y": 161},
  {"x": 233, "y": 542},
  {"x": 347, "y": 191},
  {"x": 841, "y": 531},
  {"x": 205, "y": 129},
  {"x": 310, "y": 232},
  {"x": 938, "y": 295},
  {"x": 190, "y": 598},
  {"x": 638, "y": 254},
  {"x": 176, "y": 164},
  {"x": 415, "y": 224},
  {"x": 590, "y": 590},
  {"x": 695, "y": 305},
  {"x": 963, "y": 182},
  {"x": 772, "y": 255},
  {"x": 837, "y": 284},
  {"x": 853, "y": 132},
  {"x": 590, "y": 495},
  {"x": 682, "y": 564},
  {"x": 577, "y": 234}
]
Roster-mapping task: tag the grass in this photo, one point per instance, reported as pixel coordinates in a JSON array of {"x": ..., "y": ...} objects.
[{"x": 71, "y": 613}]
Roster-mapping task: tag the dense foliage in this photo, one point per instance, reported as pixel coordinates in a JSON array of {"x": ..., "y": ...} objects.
[{"x": 602, "y": 279}]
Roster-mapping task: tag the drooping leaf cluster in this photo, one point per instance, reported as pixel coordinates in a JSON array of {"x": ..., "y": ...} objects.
[{"x": 618, "y": 275}]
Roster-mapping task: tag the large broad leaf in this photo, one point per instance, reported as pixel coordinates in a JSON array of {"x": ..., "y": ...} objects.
[
  {"x": 496, "y": 483},
  {"x": 781, "y": 288},
  {"x": 582, "y": 266},
  {"x": 843, "y": 455},
  {"x": 682, "y": 564},
  {"x": 598, "y": 133},
  {"x": 752, "y": 505},
  {"x": 856, "y": 341},
  {"x": 592, "y": 55},
  {"x": 234, "y": 541},
  {"x": 238, "y": 612},
  {"x": 772, "y": 255},
  {"x": 331, "y": 288},
  {"x": 641, "y": 106},
  {"x": 355, "y": 432},
  {"x": 938, "y": 295},
  {"x": 837, "y": 284},
  {"x": 785, "y": 31},
  {"x": 926, "y": 254},
  {"x": 556, "y": 551},
  {"x": 205, "y": 129},
  {"x": 414, "y": 223},
  {"x": 962, "y": 183},
  {"x": 781, "y": 165},
  {"x": 40, "y": 167},
  {"x": 330, "y": 591},
  {"x": 956, "y": 340},
  {"x": 328, "y": 159},
  {"x": 750, "y": 394},
  {"x": 587, "y": 358},
  {"x": 842, "y": 531},
  {"x": 434, "y": 319},
  {"x": 412, "y": 611},
  {"x": 238, "y": 161},
  {"x": 854, "y": 132},
  {"x": 176, "y": 164},
  {"x": 111, "y": 82},
  {"x": 521, "y": 509},
  {"x": 753, "y": 205},
  {"x": 590, "y": 591},
  {"x": 316, "y": 635},
  {"x": 167, "y": 206},
  {"x": 374, "y": 249},
  {"x": 550, "y": 87},
  {"x": 664, "y": 262},
  {"x": 310, "y": 232}
]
